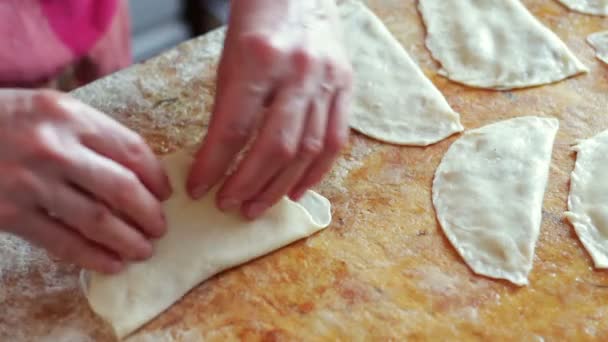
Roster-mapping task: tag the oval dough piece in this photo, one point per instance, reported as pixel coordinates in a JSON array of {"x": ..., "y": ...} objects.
[
  {"x": 593, "y": 7},
  {"x": 599, "y": 42},
  {"x": 201, "y": 241},
  {"x": 488, "y": 193},
  {"x": 588, "y": 199},
  {"x": 394, "y": 101},
  {"x": 495, "y": 44}
]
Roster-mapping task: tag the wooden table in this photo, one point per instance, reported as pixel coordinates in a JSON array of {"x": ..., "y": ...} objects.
[{"x": 383, "y": 270}]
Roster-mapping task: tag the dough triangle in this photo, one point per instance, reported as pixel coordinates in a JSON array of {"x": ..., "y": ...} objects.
[
  {"x": 599, "y": 43},
  {"x": 593, "y": 7},
  {"x": 394, "y": 101}
]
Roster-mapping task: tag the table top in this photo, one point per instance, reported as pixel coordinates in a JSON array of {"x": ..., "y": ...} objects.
[{"x": 383, "y": 269}]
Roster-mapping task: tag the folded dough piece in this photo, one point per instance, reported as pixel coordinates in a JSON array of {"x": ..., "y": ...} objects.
[
  {"x": 599, "y": 42},
  {"x": 495, "y": 44},
  {"x": 594, "y": 7},
  {"x": 394, "y": 101},
  {"x": 588, "y": 199},
  {"x": 201, "y": 241},
  {"x": 488, "y": 193}
]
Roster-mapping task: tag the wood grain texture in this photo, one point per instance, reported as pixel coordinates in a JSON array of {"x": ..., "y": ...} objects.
[{"x": 383, "y": 270}]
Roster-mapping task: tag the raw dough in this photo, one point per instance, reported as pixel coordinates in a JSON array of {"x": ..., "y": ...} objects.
[
  {"x": 394, "y": 101},
  {"x": 594, "y": 7},
  {"x": 588, "y": 199},
  {"x": 495, "y": 44},
  {"x": 201, "y": 241},
  {"x": 599, "y": 42},
  {"x": 488, "y": 193}
]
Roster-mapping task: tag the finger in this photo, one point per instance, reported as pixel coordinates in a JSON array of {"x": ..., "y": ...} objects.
[
  {"x": 336, "y": 137},
  {"x": 95, "y": 221},
  {"x": 239, "y": 101},
  {"x": 119, "y": 188},
  {"x": 275, "y": 146},
  {"x": 111, "y": 139},
  {"x": 311, "y": 145},
  {"x": 232, "y": 124},
  {"x": 62, "y": 242}
]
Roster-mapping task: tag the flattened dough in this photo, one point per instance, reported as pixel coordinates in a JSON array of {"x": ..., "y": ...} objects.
[
  {"x": 588, "y": 199},
  {"x": 488, "y": 193},
  {"x": 201, "y": 241},
  {"x": 495, "y": 44},
  {"x": 594, "y": 7},
  {"x": 394, "y": 101},
  {"x": 599, "y": 42}
]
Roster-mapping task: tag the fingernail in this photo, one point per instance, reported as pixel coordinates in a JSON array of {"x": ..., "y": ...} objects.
[
  {"x": 228, "y": 204},
  {"x": 256, "y": 209},
  {"x": 200, "y": 191}
]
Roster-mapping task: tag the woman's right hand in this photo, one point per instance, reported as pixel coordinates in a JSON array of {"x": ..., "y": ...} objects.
[{"x": 76, "y": 182}]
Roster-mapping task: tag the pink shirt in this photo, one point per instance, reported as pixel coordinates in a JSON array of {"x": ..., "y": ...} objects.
[{"x": 40, "y": 38}]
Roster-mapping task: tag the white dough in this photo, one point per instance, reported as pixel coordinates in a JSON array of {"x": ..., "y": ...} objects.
[
  {"x": 488, "y": 193},
  {"x": 495, "y": 44},
  {"x": 394, "y": 101},
  {"x": 594, "y": 7},
  {"x": 201, "y": 241},
  {"x": 588, "y": 199},
  {"x": 599, "y": 42}
]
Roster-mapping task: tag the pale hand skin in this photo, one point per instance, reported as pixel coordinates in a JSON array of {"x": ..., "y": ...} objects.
[
  {"x": 76, "y": 182},
  {"x": 283, "y": 70}
]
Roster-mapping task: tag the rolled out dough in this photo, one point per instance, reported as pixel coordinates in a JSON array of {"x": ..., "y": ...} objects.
[
  {"x": 488, "y": 193},
  {"x": 588, "y": 199},
  {"x": 495, "y": 44},
  {"x": 594, "y": 7},
  {"x": 394, "y": 101},
  {"x": 599, "y": 42},
  {"x": 201, "y": 241}
]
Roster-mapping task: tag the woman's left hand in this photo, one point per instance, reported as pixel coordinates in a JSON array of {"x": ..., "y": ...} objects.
[{"x": 285, "y": 78}]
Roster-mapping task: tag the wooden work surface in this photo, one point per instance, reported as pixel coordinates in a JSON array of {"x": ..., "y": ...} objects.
[{"x": 383, "y": 270}]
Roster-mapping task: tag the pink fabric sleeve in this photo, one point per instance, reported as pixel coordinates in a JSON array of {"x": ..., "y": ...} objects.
[{"x": 44, "y": 37}]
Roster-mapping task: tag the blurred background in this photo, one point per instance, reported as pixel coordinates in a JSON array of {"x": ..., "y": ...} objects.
[{"x": 158, "y": 25}]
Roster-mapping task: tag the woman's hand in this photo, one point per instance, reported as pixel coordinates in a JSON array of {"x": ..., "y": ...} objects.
[
  {"x": 76, "y": 182},
  {"x": 284, "y": 71}
]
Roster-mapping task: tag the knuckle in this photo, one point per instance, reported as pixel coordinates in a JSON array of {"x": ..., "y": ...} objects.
[
  {"x": 46, "y": 98},
  {"x": 235, "y": 133},
  {"x": 283, "y": 148},
  {"x": 261, "y": 48},
  {"x": 44, "y": 146},
  {"x": 100, "y": 214},
  {"x": 345, "y": 75},
  {"x": 311, "y": 147},
  {"x": 304, "y": 60},
  {"x": 127, "y": 188},
  {"x": 136, "y": 148},
  {"x": 26, "y": 182},
  {"x": 332, "y": 70}
]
